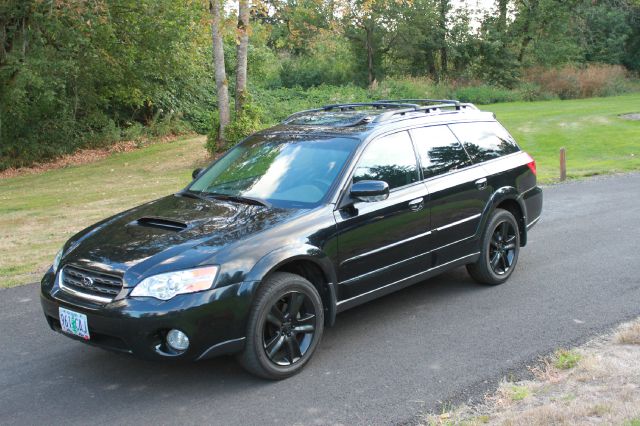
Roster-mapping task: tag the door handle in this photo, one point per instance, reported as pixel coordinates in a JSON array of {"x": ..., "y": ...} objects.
[
  {"x": 481, "y": 183},
  {"x": 416, "y": 204}
]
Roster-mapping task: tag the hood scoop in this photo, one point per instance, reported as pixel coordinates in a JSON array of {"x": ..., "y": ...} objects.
[{"x": 160, "y": 222}]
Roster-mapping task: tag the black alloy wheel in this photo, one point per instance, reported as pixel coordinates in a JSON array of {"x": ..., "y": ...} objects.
[
  {"x": 284, "y": 327},
  {"x": 289, "y": 328},
  {"x": 502, "y": 250},
  {"x": 499, "y": 249}
]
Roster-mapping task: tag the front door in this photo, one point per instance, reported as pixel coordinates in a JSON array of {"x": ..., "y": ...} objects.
[{"x": 381, "y": 242}]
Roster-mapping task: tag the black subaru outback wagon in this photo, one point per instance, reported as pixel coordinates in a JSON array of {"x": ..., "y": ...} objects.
[{"x": 332, "y": 208}]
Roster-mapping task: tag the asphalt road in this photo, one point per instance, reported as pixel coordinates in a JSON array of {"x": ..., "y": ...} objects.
[{"x": 384, "y": 362}]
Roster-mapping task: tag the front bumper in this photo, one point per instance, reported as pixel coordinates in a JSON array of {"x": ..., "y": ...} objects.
[{"x": 214, "y": 320}]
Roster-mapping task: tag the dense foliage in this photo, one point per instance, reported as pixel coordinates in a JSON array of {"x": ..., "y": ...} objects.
[{"x": 76, "y": 74}]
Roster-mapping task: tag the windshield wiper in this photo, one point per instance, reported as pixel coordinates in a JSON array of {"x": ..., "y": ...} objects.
[
  {"x": 239, "y": 199},
  {"x": 192, "y": 194}
]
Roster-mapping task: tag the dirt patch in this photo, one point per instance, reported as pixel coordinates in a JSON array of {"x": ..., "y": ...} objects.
[
  {"x": 602, "y": 386},
  {"x": 83, "y": 156},
  {"x": 632, "y": 116}
]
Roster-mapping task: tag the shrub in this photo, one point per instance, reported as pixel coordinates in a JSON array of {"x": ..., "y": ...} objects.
[
  {"x": 566, "y": 359},
  {"x": 571, "y": 82},
  {"x": 133, "y": 132},
  {"x": 484, "y": 94},
  {"x": 409, "y": 88},
  {"x": 247, "y": 121}
]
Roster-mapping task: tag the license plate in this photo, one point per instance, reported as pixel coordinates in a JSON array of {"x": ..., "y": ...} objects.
[{"x": 74, "y": 323}]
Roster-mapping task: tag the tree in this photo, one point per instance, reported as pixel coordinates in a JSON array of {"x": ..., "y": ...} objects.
[
  {"x": 241, "y": 57},
  {"x": 443, "y": 9},
  {"x": 372, "y": 25},
  {"x": 222, "y": 89}
]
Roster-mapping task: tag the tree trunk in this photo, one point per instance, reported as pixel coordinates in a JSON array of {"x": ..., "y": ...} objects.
[
  {"x": 243, "y": 45},
  {"x": 526, "y": 30},
  {"x": 222, "y": 84},
  {"x": 369, "y": 46},
  {"x": 503, "y": 6},
  {"x": 3, "y": 42},
  {"x": 444, "y": 9}
]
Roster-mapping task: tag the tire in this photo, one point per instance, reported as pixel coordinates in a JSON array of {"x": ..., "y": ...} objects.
[
  {"x": 498, "y": 255},
  {"x": 284, "y": 327}
]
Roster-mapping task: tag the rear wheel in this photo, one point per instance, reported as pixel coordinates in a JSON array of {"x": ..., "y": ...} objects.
[
  {"x": 285, "y": 327},
  {"x": 500, "y": 246}
]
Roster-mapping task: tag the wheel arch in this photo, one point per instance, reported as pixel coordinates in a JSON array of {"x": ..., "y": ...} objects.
[
  {"x": 509, "y": 199},
  {"x": 307, "y": 261}
]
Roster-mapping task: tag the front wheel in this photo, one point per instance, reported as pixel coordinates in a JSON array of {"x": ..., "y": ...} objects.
[
  {"x": 284, "y": 328},
  {"x": 500, "y": 246}
]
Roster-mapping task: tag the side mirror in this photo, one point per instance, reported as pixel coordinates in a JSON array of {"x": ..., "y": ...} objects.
[
  {"x": 370, "y": 190},
  {"x": 196, "y": 173}
]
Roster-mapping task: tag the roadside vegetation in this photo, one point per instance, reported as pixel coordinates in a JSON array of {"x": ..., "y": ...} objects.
[
  {"x": 77, "y": 74},
  {"x": 39, "y": 211},
  {"x": 597, "y": 383}
]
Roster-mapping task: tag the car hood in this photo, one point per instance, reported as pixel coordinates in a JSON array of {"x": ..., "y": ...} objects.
[{"x": 159, "y": 231}]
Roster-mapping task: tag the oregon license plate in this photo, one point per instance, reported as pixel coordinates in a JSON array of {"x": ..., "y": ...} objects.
[{"x": 74, "y": 323}]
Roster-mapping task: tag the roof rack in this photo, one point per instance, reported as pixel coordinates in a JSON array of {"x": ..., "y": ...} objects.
[
  {"x": 350, "y": 107},
  {"x": 396, "y": 107},
  {"x": 423, "y": 105},
  {"x": 422, "y": 102}
]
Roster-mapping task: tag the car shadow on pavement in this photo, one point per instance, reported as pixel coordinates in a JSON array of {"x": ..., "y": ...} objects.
[
  {"x": 388, "y": 322},
  {"x": 391, "y": 310}
]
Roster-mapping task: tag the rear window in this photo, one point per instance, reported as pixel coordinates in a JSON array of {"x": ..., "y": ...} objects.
[{"x": 485, "y": 140}]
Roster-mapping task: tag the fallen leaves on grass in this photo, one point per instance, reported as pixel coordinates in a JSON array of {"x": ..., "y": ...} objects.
[{"x": 83, "y": 156}]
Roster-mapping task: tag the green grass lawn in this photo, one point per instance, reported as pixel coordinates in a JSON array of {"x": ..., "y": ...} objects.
[
  {"x": 597, "y": 140},
  {"x": 39, "y": 212}
]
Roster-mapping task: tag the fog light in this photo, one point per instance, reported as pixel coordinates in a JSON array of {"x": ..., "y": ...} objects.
[{"x": 177, "y": 340}]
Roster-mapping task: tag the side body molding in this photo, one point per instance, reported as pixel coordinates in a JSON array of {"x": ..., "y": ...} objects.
[{"x": 282, "y": 256}]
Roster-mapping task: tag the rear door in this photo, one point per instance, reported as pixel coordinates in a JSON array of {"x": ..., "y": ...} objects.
[
  {"x": 382, "y": 242},
  {"x": 458, "y": 192}
]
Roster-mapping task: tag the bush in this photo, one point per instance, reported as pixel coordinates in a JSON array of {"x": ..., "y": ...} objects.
[
  {"x": 571, "y": 82},
  {"x": 484, "y": 94},
  {"x": 249, "y": 120},
  {"x": 409, "y": 88}
]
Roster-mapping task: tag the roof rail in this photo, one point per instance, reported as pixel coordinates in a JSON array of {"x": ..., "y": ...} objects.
[
  {"x": 428, "y": 106},
  {"x": 395, "y": 106},
  {"x": 350, "y": 106},
  {"x": 422, "y": 102}
]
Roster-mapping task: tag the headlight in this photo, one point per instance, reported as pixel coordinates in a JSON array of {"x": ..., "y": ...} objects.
[
  {"x": 56, "y": 261},
  {"x": 165, "y": 286}
]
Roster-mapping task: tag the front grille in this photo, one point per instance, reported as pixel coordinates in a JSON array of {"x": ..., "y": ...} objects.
[{"x": 92, "y": 284}]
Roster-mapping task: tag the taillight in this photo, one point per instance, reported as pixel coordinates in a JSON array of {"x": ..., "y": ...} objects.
[{"x": 532, "y": 165}]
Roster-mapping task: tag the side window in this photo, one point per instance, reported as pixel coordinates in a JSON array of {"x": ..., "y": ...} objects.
[
  {"x": 389, "y": 158},
  {"x": 439, "y": 150},
  {"x": 485, "y": 141}
]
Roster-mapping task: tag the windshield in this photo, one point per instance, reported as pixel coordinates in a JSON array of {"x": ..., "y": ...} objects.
[{"x": 285, "y": 170}]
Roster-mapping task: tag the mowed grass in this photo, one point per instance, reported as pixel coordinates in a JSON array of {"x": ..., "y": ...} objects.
[
  {"x": 597, "y": 140},
  {"x": 39, "y": 212}
]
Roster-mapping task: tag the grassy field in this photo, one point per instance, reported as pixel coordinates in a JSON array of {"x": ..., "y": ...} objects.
[
  {"x": 39, "y": 212},
  {"x": 597, "y": 140}
]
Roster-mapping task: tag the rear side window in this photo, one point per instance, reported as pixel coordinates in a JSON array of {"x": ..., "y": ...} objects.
[
  {"x": 389, "y": 158},
  {"x": 485, "y": 141},
  {"x": 439, "y": 150}
]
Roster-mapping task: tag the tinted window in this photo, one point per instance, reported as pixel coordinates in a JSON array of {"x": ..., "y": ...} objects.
[
  {"x": 484, "y": 141},
  {"x": 439, "y": 150},
  {"x": 287, "y": 170},
  {"x": 389, "y": 158}
]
